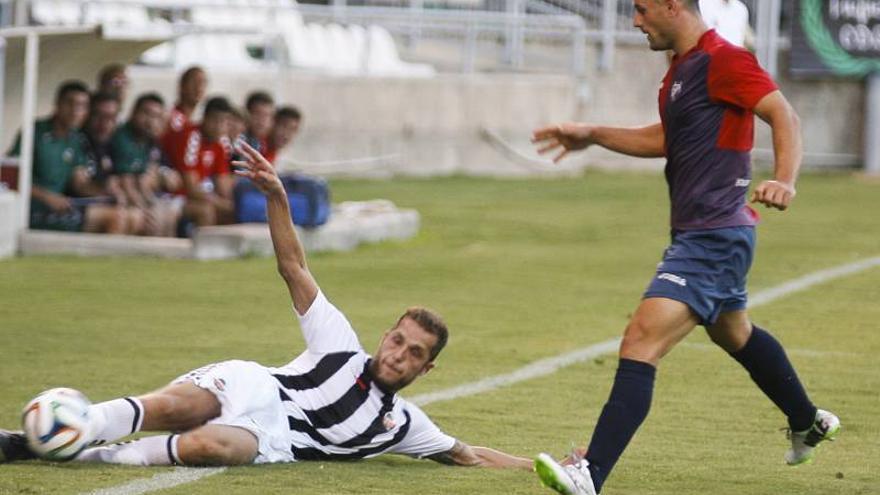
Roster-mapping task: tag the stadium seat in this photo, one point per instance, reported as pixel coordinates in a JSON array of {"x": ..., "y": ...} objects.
[
  {"x": 383, "y": 58},
  {"x": 56, "y": 12}
]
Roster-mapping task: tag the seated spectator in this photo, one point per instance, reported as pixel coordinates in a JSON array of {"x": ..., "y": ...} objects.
[
  {"x": 285, "y": 128},
  {"x": 112, "y": 80},
  {"x": 203, "y": 162},
  {"x": 137, "y": 165},
  {"x": 260, "y": 117},
  {"x": 95, "y": 179},
  {"x": 190, "y": 92},
  {"x": 100, "y": 125},
  {"x": 59, "y": 153}
]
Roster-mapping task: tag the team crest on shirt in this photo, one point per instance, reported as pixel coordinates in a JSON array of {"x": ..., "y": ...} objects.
[
  {"x": 388, "y": 421},
  {"x": 676, "y": 90}
]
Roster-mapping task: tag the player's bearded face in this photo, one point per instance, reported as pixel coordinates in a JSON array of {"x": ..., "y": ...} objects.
[{"x": 403, "y": 355}]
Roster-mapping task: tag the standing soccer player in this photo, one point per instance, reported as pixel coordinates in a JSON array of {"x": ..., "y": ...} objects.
[{"x": 707, "y": 105}]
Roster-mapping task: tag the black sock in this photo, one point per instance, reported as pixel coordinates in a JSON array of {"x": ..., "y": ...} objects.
[
  {"x": 625, "y": 410},
  {"x": 765, "y": 360}
]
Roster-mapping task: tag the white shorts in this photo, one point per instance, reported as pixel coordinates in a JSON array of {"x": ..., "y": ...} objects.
[{"x": 249, "y": 399}]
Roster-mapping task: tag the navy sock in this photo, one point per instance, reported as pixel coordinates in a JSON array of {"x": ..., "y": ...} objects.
[
  {"x": 765, "y": 360},
  {"x": 625, "y": 410}
]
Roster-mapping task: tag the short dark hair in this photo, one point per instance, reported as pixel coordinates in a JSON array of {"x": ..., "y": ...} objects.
[
  {"x": 288, "y": 112},
  {"x": 70, "y": 86},
  {"x": 151, "y": 97},
  {"x": 217, "y": 104},
  {"x": 258, "y": 98},
  {"x": 190, "y": 72},
  {"x": 102, "y": 97},
  {"x": 430, "y": 322}
]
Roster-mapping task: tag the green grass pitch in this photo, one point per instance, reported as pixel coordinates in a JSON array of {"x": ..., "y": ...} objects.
[{"x": 522, "y": 270}]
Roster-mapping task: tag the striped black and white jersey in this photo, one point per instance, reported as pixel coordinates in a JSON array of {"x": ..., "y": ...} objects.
[{"x": 334, "y": 408}]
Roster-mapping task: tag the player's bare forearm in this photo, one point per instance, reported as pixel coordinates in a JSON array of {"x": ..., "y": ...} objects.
[
  {"x": 289, "y": 251},
  {"x": 787, "y": 151},
  {"x": 645, "y": 142},
  {"x": 642, "y": 142},
  {"x": 786, "y": 127},
  {"x": 462, "y": 454}
]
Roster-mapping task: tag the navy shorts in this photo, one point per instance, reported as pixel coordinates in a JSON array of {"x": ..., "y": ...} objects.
[{"x": 706, "y": 269}]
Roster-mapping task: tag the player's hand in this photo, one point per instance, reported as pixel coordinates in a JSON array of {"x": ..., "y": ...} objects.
[
  {"x": 577, "y": 453},
  {"x": 256, "y": 168},
  {"x": 58, "y": 203},
  {"x": 774, "y": 194},
  {"x": 570, "y": 136}
]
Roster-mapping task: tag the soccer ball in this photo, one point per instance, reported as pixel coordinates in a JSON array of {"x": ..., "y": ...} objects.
[{"x": 56, "y": 424}]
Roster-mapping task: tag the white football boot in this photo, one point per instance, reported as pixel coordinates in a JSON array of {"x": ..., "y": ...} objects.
[
  {"x": 803, "y": 443},
  {"x": 574, "y": 479}
]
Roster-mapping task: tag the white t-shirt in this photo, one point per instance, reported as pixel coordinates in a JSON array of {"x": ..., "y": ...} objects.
[{"x": 729, "y": 18}]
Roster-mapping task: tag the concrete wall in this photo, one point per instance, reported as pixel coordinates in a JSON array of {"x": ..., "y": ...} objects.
[{"x": 433, "y": 126}]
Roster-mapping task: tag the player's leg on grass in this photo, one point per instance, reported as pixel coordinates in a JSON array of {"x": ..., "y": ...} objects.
[
  {"x": 176, "y": 407},
  {"x": 217, "y": 445},
  {"x": 208, "y": 445},
  {"x": 768, "y": 365},
  {"x": 657, "y": 325}
]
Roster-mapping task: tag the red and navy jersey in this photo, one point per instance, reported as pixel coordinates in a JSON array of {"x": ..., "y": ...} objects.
[{"x": 706, "y": 104}]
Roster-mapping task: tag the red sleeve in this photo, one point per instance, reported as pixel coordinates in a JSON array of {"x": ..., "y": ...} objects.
[{"x": 736, "y": 78}]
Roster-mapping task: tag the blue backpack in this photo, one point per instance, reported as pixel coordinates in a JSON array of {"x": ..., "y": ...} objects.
[{"x": 309, "y": 199}]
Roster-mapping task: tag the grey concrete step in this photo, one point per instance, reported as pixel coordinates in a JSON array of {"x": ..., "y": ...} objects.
[{"x": 351, "y": 224}]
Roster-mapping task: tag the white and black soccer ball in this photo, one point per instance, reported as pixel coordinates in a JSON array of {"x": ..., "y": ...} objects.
[{"x": 56, "y": 424}]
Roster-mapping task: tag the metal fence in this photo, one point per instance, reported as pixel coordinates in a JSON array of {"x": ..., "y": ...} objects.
[{"x": 502, "y": 32}]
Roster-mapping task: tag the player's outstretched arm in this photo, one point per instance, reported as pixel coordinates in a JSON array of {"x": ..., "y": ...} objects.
[
  {"x": 288, "y": 250},
  {"x": 462, "y": 454},
  {"x": 787, "y": 151},
  {"x": 643, "y": 142}
]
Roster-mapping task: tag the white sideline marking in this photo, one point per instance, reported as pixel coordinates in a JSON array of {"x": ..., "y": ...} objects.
[
  {"x": 809, "y": 280},
  {"x": 536, "y": 369},
  {"x": 160, "y": 481}
]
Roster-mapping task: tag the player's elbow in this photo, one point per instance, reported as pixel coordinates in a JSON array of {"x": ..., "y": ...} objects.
[{"x": 290, "y": 270}]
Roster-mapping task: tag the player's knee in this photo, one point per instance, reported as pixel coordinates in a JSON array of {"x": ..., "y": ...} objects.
[{"x": 642, "y": 341}]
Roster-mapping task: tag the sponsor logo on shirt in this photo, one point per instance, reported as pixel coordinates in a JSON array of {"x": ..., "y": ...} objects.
[
  {"x": 676, "y": 90},
  {"x": 675, "y": 279},
  {"x": 743, "y": 182}
]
